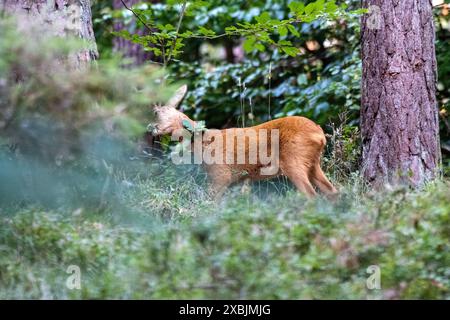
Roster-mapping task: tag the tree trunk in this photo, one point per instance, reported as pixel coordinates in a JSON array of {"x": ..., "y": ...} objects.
[
  {"x": 399, "y": 115},
  {"x": 129, "y": 49},
  {"x": 62, "y": 17}
]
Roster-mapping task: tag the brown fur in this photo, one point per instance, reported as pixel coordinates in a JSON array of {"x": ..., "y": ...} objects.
[{"x": 301, "y": 143}]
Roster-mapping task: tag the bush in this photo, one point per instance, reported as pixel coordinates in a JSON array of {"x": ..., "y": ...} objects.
[
  {"x": 245, "y": 247},
  {"x": 63, "y": 129}
]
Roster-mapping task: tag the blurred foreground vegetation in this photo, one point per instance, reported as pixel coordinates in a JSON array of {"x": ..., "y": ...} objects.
[{"x": 172, "y": 242}]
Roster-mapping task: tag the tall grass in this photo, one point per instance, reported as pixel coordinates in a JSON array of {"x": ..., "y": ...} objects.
[{"x": 171, "y": 241}]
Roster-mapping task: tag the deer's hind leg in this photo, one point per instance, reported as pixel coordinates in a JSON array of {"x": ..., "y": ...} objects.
[
  {"x": 319, "y": 179},
  {"x": 299, "y": 177}
]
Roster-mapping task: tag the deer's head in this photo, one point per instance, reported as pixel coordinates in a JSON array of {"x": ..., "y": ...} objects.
[{"x": 167, "y": 117}]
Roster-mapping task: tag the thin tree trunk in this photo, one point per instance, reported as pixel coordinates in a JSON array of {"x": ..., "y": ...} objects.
[
  {"x": 229, "y": 53},
  {"x": 61, "y": 16},
  {"x": 399, "y": 115}
]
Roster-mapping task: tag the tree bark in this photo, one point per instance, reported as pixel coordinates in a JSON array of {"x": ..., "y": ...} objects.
[
  {"x": 399, "y": 115},
  {"x": 62, "y": 17}
]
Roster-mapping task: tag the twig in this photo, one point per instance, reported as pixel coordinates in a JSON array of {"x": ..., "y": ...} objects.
[
  {"x": 182, "y": 11},
  {"x": 137, "y": 16},
  {"x": 194, "y": 36},
  {"x": 270, "y": 89},
  {"x": 163, "y": 50}
]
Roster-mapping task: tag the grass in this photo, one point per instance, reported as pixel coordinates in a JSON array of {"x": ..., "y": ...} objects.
[{"x": 168, "y": 240}]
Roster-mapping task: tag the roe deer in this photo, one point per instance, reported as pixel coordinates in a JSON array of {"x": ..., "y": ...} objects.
[{"x": 300, "y": 145}]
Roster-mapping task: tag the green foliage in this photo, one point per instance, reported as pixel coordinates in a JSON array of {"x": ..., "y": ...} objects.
[
  {"x": 344, "y": 151},
  {"x": 250, "y": 246},
  {"x": 53, "y": 85},
  {"x": 102, "y": 21},
  {"x": 62, "y": 127},
  {"x": 166, "y": 40}
]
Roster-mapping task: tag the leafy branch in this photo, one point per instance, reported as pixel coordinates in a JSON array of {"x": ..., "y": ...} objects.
[
  {"x": 166, "y": 41},
  {"x": 136, "y": 15}
]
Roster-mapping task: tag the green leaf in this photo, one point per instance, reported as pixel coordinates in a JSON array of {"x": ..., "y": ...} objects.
[
  {"x": 165, "y": 141},
  {"x": 293, "y": 30},
  {"x": 186, "y": 123},
  {"x": 169, "y": 27},
  {"x": 319, "y": 5},
  {"x": 263, "y": 36},
  {"x": 155, "y": 50},
  {"x": 291, "y": 51},
  {"x": 285, "y": 43},
  {"x": 174, "y": 2},
  {"x": 200, "y": 126},
  {"x": 186, "y": 34},
  {"x": 263, "y": 17},
  {"x": 199, "y": 3},
  {"x": 310, "y": 8},
  {"x": 296, "y": 7},
  {"x": 249, "y": 44},
  {"x": 244, "y": 25},
  {"x": 331, "y": 7},
  {"x": 260, "y": 47},
  {"x": 206, "y": 32},
  {"x": 230, "y": 29},
  {"x": 282, "y": 30},
  {"x": 359, "y": 11},
  {"x": 123, "y": 34}
]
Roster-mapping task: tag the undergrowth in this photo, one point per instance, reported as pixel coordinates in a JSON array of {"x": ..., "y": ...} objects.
[{"x": 267, "y": 241}]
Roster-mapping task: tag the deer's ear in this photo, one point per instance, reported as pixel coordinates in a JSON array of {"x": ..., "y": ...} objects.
[{"x": 177, "y": 97}]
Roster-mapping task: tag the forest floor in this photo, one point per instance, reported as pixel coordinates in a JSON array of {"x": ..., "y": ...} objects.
[{"x": 168, "y": 240}]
